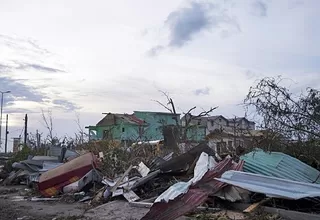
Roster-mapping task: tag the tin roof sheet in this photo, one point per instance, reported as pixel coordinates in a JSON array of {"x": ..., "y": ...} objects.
[
  {"x": 279, "y": 165},
  {"x": 271, "y": 186}
]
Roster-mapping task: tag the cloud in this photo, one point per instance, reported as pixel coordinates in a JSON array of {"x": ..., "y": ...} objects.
[
  {"x": 155, "y": 51},
  {"x": 65, "y": 104},
  {"x": 260, "y": 8},
  {"x": 203, "y": 91},
  {"x": 185, "y": 23},
  {"x": 6, "y": 68},
  {"x": 27, "y": 66},
  {"x": 251, "y": 74},
  {"x": 19, "y": 91},
  {"x": 25, "y": 54},
  {"x": 21, "y": 44},
  {"x": 292, "y": 4},
  {"x": 23, "y": 92},
  {"x": 13, "y": 110}
]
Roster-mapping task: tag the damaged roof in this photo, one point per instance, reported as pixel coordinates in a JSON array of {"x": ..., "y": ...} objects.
[
  {"x": 270, "y": 186},
  {"x": 279, "y": 165},
  {"x": 126, "y": 118}
]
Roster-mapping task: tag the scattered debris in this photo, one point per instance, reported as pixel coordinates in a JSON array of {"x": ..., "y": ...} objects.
[
  {"x": 52, "y": 181},
  {"x": 166, "y": 185}
]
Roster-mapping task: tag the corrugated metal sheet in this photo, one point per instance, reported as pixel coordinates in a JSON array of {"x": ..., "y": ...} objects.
[
  {"x": 195, "y": 196},
  {"x": 233, "y": 194},
  {"x": 271, "y": 186},
  {"x": 279, "y": 165},
  {"x": 56, "y": 151},
  {"x": 178, "y": 207}
]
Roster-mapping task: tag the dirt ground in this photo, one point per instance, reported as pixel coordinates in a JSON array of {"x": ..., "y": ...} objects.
[{"x": 13, "y": 207}]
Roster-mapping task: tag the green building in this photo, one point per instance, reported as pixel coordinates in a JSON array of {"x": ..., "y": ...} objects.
[
  {"x": 122, "y": 127},
  {"x": 195, "y": 129},
  {"x": 156, "y": 121},
  {"x": 140, "y": 126}
]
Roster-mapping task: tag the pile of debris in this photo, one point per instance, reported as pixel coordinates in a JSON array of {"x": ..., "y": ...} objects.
[{"x": 194, "y": 183}]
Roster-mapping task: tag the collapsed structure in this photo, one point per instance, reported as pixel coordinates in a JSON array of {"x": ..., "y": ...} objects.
[{"x": 171, "y": 184}]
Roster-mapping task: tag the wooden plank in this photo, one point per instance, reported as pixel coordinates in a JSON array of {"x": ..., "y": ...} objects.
[
  {"x": 254, "y": 206},
  {"x": 114, "y": 188},
  {"x": 149, "y": 204}
]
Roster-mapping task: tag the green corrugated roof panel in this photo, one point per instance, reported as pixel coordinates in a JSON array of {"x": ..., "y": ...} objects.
[{"x": 279, "y": 165}]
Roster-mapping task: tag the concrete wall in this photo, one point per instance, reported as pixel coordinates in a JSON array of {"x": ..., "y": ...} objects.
[{"x": 217, "y": 123}]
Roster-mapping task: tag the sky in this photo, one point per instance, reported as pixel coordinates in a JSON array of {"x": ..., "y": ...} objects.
[{"x": 81, "y": 58}]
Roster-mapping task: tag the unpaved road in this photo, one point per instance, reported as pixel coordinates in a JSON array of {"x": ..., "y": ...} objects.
[
  {"x": 13, "y": 207},
  {"x": 27, "y": 210}
]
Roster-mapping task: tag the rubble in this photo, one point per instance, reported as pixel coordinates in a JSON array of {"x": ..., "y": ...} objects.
[
  {"x": 55, "y": 179},
  {"x": 167, "y": 185}
]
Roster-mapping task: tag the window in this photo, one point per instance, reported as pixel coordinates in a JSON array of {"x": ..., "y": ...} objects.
[
  {"x": 199, "y": 122},
  {"x": 212, "y": 123},
  {"x": 229, "y": 143},
  {"x": 122, "y": 129}
]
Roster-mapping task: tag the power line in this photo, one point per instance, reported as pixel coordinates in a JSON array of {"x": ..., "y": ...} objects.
[{"x": 21, "y": 131}]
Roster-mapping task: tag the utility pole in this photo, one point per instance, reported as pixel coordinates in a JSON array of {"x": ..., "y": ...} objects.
[
  {"x": 25, "y": 129},
  {"x": 1, "y": 107},
  {"x": 234, "y": 132},
  {"x": 7, "y": 132}
]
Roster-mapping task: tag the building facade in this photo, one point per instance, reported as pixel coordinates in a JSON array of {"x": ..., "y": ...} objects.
[
  {"x": 140, "y": 126},
  {"x": 200, "y": 127},
  {"x": 122, "y": 127}
]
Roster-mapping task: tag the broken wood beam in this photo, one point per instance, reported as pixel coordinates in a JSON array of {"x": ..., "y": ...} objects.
[
  {"x": 254, "y": 206},
  {"x": 149, "y": 205}
]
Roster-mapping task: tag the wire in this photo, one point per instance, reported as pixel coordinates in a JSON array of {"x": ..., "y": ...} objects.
[{"x": 21, "y": 131}]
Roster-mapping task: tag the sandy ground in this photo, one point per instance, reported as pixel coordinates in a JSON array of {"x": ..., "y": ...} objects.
[
  {"x": 12, "y": 207},
  {"x": 118, "y": 210}
]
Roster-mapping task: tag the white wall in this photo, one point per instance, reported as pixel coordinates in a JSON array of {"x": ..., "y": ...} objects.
[{"x": 218, "y": 123}]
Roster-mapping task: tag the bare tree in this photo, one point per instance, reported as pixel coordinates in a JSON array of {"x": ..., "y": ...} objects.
[
  {"x": 292, "y": 121},
  {"x": 188, "y": 117},
  {"x": 47, "y": 122},
  {"x": 293, "y": 116},
  {"x": 80, "y": 136}
]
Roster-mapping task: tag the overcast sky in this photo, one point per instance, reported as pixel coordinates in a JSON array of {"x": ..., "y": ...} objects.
[{"x": 88, "y": 57}]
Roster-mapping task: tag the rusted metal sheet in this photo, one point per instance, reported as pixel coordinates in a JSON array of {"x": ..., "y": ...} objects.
[
  {"x": 196, "y": 195},
  {"x": 178, "y": 207},
  {"x": 52, "y": 181}
]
